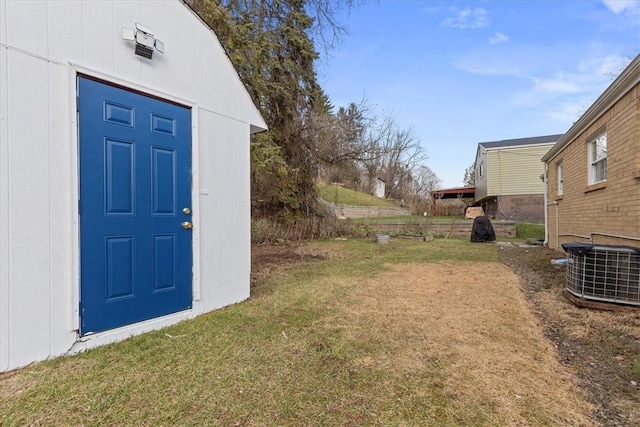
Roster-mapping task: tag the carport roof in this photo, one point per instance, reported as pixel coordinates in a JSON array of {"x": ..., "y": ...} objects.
[{"x": 454, "y": 193}]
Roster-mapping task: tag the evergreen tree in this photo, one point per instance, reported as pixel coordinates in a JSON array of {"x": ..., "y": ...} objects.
[{"x": 270, "y": 46}]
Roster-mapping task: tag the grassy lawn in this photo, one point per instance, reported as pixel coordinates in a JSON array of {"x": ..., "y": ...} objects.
[
  {"x": 344, "y": 196},
  {"x": 526, "y": 230},
  {"x": 403, "y": 334}
]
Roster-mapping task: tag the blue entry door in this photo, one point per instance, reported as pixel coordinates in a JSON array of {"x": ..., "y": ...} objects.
[{"x": 135, "y": 207}]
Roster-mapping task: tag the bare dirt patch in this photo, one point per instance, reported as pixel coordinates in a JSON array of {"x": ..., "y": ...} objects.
[{"x": 269, "y": 259}]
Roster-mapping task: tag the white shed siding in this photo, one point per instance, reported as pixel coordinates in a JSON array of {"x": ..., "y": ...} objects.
[
  {"x": 3, "y": 26},
  {"x": 30, "y": 203},
  {"x": 42, "y": 44},
  {"x": 225, "y": 217},
  {"x": 89, "y": 33},
  {"x": 4, "y": 205}
]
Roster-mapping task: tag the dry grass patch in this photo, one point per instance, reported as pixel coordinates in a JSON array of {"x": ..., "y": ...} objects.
[
  {"x": 404, "y": 334},
  {"x": 470, "y": 321}
]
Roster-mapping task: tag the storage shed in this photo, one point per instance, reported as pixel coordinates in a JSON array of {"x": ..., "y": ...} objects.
[{"x": 124, "y": 173}]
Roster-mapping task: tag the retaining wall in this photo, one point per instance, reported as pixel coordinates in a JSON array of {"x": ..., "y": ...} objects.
[
  {"x": 344, "y": 211},
  {"x": 461, "y": 228}
]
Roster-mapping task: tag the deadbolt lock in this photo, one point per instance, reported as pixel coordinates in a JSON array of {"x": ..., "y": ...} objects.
[{"x": 186, "y": 211}]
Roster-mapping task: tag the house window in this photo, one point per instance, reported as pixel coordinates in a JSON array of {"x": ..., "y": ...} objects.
[
  {"x": 481, "y": 170},
  {"x": 560, "y": 178},
  {"x": 598, "y": 159}
]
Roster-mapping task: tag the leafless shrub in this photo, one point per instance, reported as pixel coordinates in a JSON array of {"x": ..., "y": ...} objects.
[{"x": 269, "y": 230}]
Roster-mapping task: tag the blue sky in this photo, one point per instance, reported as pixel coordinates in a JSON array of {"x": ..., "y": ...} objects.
[{"x": 463, "y": 72}]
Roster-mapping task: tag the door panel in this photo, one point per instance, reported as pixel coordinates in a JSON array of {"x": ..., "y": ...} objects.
[
  {"x": 120, "y": 263},
  {"x": 120, "y": 178},
  {"x": 163, "y": 170},
  {"x": 135, "y": 179}
]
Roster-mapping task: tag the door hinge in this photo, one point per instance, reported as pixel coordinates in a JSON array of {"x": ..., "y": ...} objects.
[
  {"x": 77, "y": 104},
  {"x": 79, "y": 208}
]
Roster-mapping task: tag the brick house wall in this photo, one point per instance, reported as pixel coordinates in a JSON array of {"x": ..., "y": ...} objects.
[{"x": 611, "y": 206}]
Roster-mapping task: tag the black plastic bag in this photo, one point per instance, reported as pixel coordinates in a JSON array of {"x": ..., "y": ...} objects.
[{"x": 482, "y": 230}]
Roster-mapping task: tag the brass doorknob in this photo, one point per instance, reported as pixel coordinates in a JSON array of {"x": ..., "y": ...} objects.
[
  {"x": 187, "y": 225},
  {"x": 186, "y": 211}
]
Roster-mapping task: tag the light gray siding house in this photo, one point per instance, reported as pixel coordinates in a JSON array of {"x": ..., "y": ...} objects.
[{"x": 124, "y": 176}]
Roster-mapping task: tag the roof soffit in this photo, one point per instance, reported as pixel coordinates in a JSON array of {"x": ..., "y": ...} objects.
[{"x": 515, "y": 147}]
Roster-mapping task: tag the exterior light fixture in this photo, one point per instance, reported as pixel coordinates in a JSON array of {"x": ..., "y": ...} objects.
[{"x": 146, "y": 43}]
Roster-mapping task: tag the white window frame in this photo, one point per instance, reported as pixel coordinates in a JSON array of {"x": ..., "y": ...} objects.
[
  {"x": 597, "y": 148},
  {"x": 560, "y": 171},
  {"x": 481, "y": 169}
]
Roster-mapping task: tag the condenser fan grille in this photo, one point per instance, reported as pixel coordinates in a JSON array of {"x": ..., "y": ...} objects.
[{"x": 603, "y": 272}]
